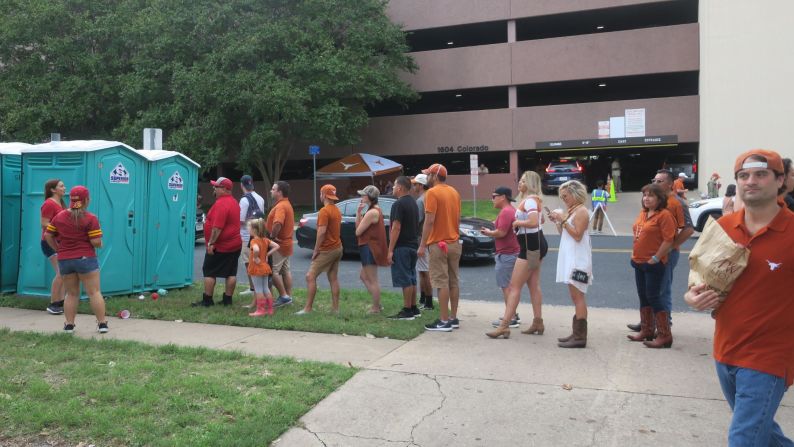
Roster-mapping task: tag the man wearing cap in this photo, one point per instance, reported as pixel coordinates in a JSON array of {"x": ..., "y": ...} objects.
[
  {"x": 505, "y": 239},
  {"x": 440, "y": 239},
  {"x": 419, "y": 183},
  {"x": 403, "y": 244},
  {"x": 223, "y": 244},
  {"x": 252, "y": 206},
  {"x": 327, "y": 250},
  {"x": 281, "y": 225},
  {"x": 678, "y": 185},
  {"x": 754, "y": 330}
]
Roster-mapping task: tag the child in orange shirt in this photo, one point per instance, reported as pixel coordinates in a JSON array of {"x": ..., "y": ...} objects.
[{"x": 258, "y": 268}]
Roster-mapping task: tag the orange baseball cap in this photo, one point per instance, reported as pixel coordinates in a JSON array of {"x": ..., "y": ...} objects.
[
  {"x": 329, "y": 191},
  {"x": 773, "y": 161},
  {"x": 435, "y": 168}
]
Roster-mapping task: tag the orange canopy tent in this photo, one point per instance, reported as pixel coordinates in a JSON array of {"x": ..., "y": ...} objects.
[{"x": 359, "y": 165}]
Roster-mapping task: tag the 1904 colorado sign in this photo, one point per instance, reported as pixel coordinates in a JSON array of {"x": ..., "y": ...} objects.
[{"x": 447, "y": 149}]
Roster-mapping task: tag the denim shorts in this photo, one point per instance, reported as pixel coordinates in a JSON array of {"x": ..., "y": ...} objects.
[
  {"x": 403, "y": 268},
  {"x": 504, "y": 269},
  {"x": 367, "y": 258},
  {"x": 80, "y": 265},
  {"x": 47, "y": 250}
]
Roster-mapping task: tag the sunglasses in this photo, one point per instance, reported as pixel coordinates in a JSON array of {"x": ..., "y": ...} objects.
[{"x": 493, "y": 196}]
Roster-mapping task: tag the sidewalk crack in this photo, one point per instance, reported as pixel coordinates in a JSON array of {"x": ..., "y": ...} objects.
[{"x": 431, "y": 413}]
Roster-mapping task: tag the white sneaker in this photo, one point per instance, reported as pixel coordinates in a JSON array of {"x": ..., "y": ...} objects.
[
  {"x": 302, "y": 312},
  {"x": 246, "y": 292}
]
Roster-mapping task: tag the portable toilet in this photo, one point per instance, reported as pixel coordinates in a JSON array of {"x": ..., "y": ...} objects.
[
  {"x": 170, "y": 221},
  {"x": 115, "y": 175},
  {"x": 10, "y": 211}
]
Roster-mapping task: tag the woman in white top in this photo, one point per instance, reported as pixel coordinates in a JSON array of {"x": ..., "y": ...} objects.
[
  {"x": 530, "y": 235},
  {"x": 574, "y": 261}
]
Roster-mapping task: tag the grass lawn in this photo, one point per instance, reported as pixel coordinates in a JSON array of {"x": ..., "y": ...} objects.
[
  {"x": 485, "y": 209},
  {"x": 59, "y": 388},
  {"x": 352, "y": 319}
]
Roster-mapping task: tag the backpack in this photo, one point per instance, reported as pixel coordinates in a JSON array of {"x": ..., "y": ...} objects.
[{"x": 253, "y": 211}]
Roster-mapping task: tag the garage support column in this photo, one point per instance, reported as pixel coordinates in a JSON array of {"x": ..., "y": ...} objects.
[
  {"x": 514, "y": 164},
  {"x": 511, "y": 31},
  {"x": 512, "y": 94}
]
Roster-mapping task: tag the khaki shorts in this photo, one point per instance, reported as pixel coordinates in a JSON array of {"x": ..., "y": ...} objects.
[
  {"x": 326, "y": 261},
  {"x": 280, "y": 263},
  {"x": 444, "y": 266},
  {"x": 245, "y": 253}
]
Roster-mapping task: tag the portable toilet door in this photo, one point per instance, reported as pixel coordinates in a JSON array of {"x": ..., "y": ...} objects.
[
  {"x": 10, "y": 213},
  {"x": 114, "y": 174},
  {"x": 171, "y": 219}
]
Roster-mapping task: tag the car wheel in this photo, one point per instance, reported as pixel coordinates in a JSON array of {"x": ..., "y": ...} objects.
[{"x": 705, "y": 218}]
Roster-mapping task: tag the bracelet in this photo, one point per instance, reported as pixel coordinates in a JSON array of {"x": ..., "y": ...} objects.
[{"x": 655, "y": 258}]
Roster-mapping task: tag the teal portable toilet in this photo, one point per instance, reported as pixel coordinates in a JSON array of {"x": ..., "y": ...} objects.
[
  {"x": 115, "y": 175},
  {"x": 10, "y": 211},
  {"x": 170, "y": 221}
]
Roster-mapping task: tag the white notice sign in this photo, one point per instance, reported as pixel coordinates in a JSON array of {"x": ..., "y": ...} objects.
[
  {"x": 635, "y": 123},
  {"x": 617, "y": 127},
  {"x": 475, "y": 176},
  {"x": 473, "y": 163},
  {"x": 603, "y": 129}
]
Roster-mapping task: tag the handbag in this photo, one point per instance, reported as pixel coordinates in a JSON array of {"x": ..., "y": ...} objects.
[{"x": 533, "y": 256}]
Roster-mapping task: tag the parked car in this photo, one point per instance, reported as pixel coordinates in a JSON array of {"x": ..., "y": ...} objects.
[
  {"x": 700, "y": 211},
  {"x": 200, "y": 219},
  {"x": 686, "y": 163},
  {"x": 475, "y": 244},
  {"x": 559, "y": 172}
]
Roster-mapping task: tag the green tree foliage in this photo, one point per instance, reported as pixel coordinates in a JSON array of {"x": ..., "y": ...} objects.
[{"x": 244, "y": 80}]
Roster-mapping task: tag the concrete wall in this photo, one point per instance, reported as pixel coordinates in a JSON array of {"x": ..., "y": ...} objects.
[{"x": 746, "y": 74}]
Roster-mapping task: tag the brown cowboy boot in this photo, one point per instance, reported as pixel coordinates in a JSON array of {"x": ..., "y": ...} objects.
[
  {"x": 664, "y": 337},
  {"x": 579, "y": 339},
  {"x": 502, "y": 331},
  {"x": 647, "y": 325},
  {"x": 570, "y": 337},
  {"x": 536, "y": 328}
]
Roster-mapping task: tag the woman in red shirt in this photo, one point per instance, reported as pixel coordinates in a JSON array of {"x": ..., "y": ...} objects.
[
  {"x": 54, "y": 190},
  {"x": 654, "y": 231},
  {"x": 75, "y": 235}
]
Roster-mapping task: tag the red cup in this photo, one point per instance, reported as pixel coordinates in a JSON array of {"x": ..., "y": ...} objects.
[
  {"x": 155, "y": 296},
  {"x": 124, "y": 314}
]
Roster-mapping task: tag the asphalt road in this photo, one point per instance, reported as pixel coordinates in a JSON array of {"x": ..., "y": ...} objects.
[{"x": 613, "y": 278}]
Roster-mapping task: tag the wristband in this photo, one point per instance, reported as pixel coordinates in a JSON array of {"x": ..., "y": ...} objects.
[{"x": 655, "y": 258}]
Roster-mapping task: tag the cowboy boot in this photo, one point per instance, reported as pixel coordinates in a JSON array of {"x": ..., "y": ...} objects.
[
  {"x": 536, "y": 328},
  {"x": 260, "y": 308},
  {"x": 269, "y": 305},
  {"x": 570, "y": 337},
  {"x": 579, "y": 339},
  {"x": 502, "y": 331},
  {"x": 647, "y": 323},
  {"x": 664, "y": 337}
]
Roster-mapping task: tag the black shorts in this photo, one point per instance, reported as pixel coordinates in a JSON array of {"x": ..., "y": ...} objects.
[
  {"x": 47, "y": 250},
  {"x": 220, "y": 265},
  {"x": 530, "y": 240}
]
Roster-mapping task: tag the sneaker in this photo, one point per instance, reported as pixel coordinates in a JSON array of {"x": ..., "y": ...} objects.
[
  {"x": 102, "y": 328},
  {"x": 514, "y": 323},
  {"x": 55, "y": 309},
  {"x": 302, "y": 312},
  {"x": 283, "y": 301},
  {"x": 416, "y": 312},
  {"x": 426, "y": 306},
  {"x": 68, "y": 328},
  {"x": 454, "y": 323},
  {"x": 440, "y": 326},
  {"x": 246, "y": 292},
  {"x": 404, "y": 314}
]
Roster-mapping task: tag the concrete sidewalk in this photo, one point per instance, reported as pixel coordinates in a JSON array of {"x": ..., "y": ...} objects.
[{"x": 464, "y": 389}]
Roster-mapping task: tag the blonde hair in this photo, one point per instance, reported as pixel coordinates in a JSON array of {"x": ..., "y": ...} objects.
[
  {"x": 257, "y": 226},
  {"x": 576, "y": 189},
  {"x": 532, "y": 181}
]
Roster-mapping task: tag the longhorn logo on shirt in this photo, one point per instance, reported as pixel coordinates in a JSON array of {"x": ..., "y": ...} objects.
[{"x": 773, "y": 265}]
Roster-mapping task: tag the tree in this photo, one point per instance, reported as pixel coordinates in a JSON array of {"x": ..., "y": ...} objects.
[{"x": 243, "y": 80}]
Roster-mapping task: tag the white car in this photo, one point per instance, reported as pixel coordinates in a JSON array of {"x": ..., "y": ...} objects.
[{"x": 700, "y": 211}]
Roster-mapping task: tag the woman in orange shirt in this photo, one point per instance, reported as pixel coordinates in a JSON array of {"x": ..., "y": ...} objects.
[{"x": 654, "y": 231}]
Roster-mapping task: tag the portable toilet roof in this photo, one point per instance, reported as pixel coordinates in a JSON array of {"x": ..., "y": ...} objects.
[
  {"x": 74, "y": 146},
  {"x": 13, "y": 148},
  {"x": 157, "y": 154}
]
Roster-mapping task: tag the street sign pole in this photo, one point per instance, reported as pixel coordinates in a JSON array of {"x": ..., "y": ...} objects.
[
  {"x": 475, "y": 180},
  {"x": 314, "y": 151}
]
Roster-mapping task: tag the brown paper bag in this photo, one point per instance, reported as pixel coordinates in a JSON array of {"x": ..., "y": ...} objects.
[{"x": 716, "y": 260}]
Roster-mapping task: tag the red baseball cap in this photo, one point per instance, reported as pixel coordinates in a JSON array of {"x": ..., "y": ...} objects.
[
  {"x": 773, "y": 161},
  {"x": 436, "y": 168},
  {"x": 222, "y": 182},
  {"x": 329, "y": 191},
  {"x": 78, "y": 197}
]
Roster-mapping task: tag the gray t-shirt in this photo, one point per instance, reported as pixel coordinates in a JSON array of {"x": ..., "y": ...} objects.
[
  {"x": 420, "y": 202},
  {"x": 687, "y": 216}
]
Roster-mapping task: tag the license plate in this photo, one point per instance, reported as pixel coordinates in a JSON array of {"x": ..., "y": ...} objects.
[
  {"x": 199, "y": 227},
  {"x": 563, "y": 179}
]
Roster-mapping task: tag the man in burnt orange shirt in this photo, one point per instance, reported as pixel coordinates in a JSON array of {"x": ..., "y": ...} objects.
[
  {"x": 327, "y": 250},
  {"x": 440, "y": 235},
  {"x": 754, "y": 331},
  {"x": 281, "y": 226}
]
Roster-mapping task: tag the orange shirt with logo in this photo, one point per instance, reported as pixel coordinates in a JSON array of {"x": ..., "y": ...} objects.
[
  {"x": 331, "y": 218},
  {"x": 443, "y": 201},
  {"x": 755, "y": 324},
  {"x": 283, "y": 214},
  {"x": 676, "y": 210},
  {"x": 650, "y": 233},
  {"x": 262, "y": 268},
  {"x": 678, "y": 185}
]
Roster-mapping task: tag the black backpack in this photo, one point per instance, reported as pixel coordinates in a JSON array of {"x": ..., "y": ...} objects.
[{"x": 253, "y": 212}]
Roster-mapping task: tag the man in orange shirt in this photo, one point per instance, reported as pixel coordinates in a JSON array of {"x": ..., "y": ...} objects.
[
  {"x": 678, "y": 186},
  {"x": 327, "y": 250},
  {"x": 281, "y": 226},
  {"x": 440, "y": 238},
  {"x": 754, "y": 331}
]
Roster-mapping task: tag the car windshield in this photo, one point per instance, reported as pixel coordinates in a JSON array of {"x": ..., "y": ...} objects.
[{"x": 348, "y": 207}]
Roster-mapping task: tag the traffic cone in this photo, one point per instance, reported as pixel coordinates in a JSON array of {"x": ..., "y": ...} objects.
[{"x": 613, "y": 197}]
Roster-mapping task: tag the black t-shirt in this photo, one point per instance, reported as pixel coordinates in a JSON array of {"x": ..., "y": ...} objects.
[{"x": 405, "y": 211}]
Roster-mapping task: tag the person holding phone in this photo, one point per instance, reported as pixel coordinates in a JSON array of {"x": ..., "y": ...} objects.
[{"x": 574, "y": 262}]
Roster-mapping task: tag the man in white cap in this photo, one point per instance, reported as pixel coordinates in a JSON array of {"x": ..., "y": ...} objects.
[
  {"x": 678, "y": 185},
  {"x": 423, "y": 262},
  {"x": 252, "y": 206}
]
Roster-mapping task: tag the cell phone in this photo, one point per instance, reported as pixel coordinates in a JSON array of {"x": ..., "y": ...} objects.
[{"x": 547, "y": 210}]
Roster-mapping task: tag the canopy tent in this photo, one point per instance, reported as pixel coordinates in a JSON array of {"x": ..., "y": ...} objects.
[{"x": 359, "y": 165}]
